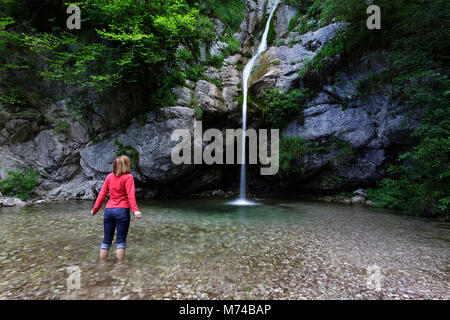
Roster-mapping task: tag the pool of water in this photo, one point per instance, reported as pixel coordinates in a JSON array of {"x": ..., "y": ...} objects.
[{"x": 207, "y": 249}]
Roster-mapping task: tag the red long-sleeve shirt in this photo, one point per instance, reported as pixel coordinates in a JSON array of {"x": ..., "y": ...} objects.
[{"x": 122, "y": 193}]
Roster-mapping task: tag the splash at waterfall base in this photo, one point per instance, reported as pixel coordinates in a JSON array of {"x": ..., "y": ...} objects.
[{"x": 193, "y": 151}]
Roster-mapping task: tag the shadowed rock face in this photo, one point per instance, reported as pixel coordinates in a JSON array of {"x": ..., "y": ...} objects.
[
  {"x": 151, "y": 141},
  {"x": 374, "y": 125}
]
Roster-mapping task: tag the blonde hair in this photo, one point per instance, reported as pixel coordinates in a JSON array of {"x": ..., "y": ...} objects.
[{"x": 121, "y": 166}]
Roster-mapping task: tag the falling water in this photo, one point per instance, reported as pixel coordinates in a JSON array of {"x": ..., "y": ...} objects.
[{"x": 245, "y": 76}]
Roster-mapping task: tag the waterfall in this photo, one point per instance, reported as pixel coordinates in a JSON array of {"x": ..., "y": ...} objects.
[{"x": 245, "y": 76}]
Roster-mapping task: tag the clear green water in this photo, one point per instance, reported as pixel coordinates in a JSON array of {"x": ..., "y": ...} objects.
[{"x": 207, "y": 249}]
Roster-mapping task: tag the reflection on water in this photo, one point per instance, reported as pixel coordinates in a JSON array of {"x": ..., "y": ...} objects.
[{"x": 211, "y": 249}]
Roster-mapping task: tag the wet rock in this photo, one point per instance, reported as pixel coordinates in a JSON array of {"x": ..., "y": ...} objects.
[
  {"x": 358, "y": 199},
  {"x": 78, "y": 132},
  {"x": 360, "y": 192},
  {"x": 369, "y": 124},
  {"x": 12, "y": 202}
]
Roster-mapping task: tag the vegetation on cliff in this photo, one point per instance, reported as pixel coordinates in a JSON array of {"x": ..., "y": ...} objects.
[{"x": 416, "y": 36}]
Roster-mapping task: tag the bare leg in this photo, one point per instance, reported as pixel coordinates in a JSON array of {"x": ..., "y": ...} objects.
[
  {"x": 103, "y": 255},
  {"x": 120, "y": 255}
]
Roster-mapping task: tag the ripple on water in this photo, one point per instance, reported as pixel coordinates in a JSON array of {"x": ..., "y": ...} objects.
[{"x": 209, "y": 249}]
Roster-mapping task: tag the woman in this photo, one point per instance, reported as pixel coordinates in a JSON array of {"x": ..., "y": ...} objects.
[{"x": 117, "y": 213}]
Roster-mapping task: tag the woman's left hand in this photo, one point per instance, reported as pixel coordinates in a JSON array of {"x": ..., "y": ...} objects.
[{"x": 92, "y": 213}]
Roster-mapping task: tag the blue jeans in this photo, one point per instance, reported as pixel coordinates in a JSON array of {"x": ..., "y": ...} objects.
[{"x": 116, "y": 218}]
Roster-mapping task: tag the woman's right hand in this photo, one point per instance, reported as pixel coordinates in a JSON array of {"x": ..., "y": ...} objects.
[{"x": 138, "y": 214}]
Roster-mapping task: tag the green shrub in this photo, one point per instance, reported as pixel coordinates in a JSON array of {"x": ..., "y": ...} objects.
[
  {"x": 271, "y": 34},
  {"x": 198, "y": 112},
  {"x": 234, "y": 45},
  {"x": 279, "y": 107},
  {"x": 20, "y": 183},
  {"x": 292, "y": 151},
  {"x": 61, "y": 126},
  {"x": 195, "y": 72},
  {"x": 293, "y": 22},
  {"x": 129, "y": 151},
  {"x": 216, "y": 60},
  {"x": 230, "y": 12}
]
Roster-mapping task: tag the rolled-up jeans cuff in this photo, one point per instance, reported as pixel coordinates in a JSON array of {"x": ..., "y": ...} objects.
[
  {"x": 121, "y": 245},
  {"x": 105, "y": 246}
]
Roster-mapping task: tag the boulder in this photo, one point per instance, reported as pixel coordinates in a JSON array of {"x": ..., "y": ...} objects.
[
  {"x": 182, "y": 96},
  {"x": 77, "y": 188},
  {"x": 152, "y": 141},
  {"x": 358, "y": 199},
  {"x": 209, "y": 97},
  {"x": 12, "y": 202},
  {"x": 352, "y": 125},
  {"x": 360, "y": 192},
  {"x": 20, "y": 130}
]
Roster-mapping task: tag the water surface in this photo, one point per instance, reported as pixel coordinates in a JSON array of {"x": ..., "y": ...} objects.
[{"x": 198, "y": 249}]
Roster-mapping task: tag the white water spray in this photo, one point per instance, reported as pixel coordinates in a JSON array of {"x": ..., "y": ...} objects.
[{"x": 245, "y": 76}]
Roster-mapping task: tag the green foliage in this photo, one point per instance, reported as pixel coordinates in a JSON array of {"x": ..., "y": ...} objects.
[
  {"x": 129, "y": 151},
  {"x": 271, "y": 33},
  {"x": 301, "y": 5},
  {"x": 230, "y": 12},
  {"x": 420, "y": 182},
  {"x": 198, "y": 112},
  {"x": 292, "y": 42},
  {"x": 234, "y": 45},
  {"x": 345, "y": 149},
  {"x": 216, "y": 60},
  {"x": 13, "y": 65},
  {"x": 292, "y": 151},
  {"x": 20, "y": 183},
  {"x": 279, "y": 106},
  {"x": 293, "y": 22},
  {"x": 121, "y": 44},
  {"x": 195, "y": 72},
  {"x": 61, "y": 126}
]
